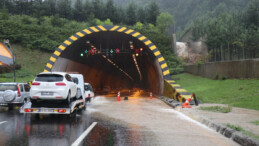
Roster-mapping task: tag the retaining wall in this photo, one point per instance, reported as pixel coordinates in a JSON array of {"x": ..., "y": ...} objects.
[{"x": 230, "y": 69}]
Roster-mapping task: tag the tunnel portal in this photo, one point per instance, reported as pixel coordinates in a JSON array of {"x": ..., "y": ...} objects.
[{"x": 112, "y": 57}]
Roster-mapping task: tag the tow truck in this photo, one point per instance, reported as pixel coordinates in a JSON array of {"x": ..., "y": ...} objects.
[
  {"x": 75, "y": 105},
  {"x": 48, "y": 107}
]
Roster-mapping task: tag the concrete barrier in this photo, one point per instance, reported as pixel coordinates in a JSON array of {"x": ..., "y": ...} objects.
[{"x": 229, "y": 69}]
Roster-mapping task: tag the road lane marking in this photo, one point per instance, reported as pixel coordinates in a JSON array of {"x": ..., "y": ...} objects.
[
  {"x": 2, "y": 122},
  {"x": 84, "y": 134}
]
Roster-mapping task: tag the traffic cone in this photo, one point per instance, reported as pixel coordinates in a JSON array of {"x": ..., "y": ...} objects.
[
  {"x": 151, "y": 95},
  {"x": 186, "y": 103},
  {"x": 119, "y": 97}
]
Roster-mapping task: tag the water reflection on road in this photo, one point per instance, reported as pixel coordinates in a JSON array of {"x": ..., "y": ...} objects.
[{"x": 137, "y": 121}]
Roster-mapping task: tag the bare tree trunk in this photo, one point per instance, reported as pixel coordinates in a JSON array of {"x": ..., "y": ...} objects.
[
  {"x": 224, "y": 54},
  {"x": 215, "y": 53},
  {"x": 244, "y": 50},
  {"x": 221, "y": 57},
  {"x": 230, "y": 52}
]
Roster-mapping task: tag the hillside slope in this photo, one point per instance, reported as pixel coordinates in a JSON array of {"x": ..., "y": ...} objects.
[
  {"x": 32, "y": 62},
  {"x": 185, "y": 11}
]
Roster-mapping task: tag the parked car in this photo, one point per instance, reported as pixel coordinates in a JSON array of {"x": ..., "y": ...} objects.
[
  {"x": 14, "y": 93},
  {"x": 53, "y": 86},
  {"x": 89, "y": 93}
]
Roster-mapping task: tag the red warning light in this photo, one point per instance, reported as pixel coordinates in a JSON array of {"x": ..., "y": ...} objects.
[
  {"x": 137, "y": 50},
  {"x": 117, "y": 50},
  {"x": 92, "y": 51}
]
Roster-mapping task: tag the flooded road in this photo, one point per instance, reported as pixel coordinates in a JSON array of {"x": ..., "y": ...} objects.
[{"x": 137, "y": 121}]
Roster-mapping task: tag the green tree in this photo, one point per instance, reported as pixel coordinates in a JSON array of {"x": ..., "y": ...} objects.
[
  {"x": 64, "y": 8},
  {"x": 98, "y": 9},
  {"x": 252, "y": 13},
  {"x": 164, "y": 21},
  {"x": 4, "y": 14},
  {"x": 87, "y": 9},
  {"x": 131, "y": 14},
  {"x": 153, "y": 12},
  {"x": 78, "y": 13},
  {"x": 110, "y": 10},
  {"x": 142, "y": 15}
]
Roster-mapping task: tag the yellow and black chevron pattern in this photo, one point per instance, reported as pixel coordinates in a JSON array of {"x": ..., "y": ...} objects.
[
  {"x": 95, "y": 29},
  {"x": 175, "y": 91},
  {"x": 121, "y": 29}
]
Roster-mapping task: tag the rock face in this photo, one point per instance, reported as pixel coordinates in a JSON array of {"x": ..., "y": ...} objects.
[{"x": 191, "y": 52}]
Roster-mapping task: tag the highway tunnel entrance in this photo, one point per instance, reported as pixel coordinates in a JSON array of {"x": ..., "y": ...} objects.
[{"x": 113, "y": 58}]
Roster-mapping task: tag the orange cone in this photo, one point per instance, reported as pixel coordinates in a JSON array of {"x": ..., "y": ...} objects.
[
  {"x": 186, "y": 103},
  {"x": 119, "y": 97},
  {"x": 151, "y": 95}
]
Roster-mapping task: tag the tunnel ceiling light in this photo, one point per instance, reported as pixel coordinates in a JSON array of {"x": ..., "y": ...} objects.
[
  {"x": 136, "y": 63},
  {"x": 116, "y": 66}
]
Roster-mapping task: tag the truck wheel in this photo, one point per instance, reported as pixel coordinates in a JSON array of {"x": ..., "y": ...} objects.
[{"x": 10, "y": 107}]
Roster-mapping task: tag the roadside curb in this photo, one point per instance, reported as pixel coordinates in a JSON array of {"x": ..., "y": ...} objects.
[{"x": 222, "y": 129}]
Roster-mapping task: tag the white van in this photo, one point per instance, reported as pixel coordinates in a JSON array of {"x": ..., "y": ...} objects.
[
  {"x": 89, "y": 93},
  {"x": 79, "y": 80}
]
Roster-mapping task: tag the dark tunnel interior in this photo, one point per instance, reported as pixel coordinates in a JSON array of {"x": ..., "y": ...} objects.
[{"x": 128, "y": 69}]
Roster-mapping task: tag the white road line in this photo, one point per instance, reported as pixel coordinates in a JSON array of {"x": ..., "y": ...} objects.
[
  {"x": 2, "y": 122},
  {"x": 84, "y": 134}
]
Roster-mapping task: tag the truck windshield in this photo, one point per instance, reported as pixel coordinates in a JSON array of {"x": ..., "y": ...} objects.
[
  {"x": 49, "y": 78},
  {"x": 4, "y": 87}
]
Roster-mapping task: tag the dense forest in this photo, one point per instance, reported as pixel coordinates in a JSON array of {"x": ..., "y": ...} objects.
[
  {"x": 185, "y": 11},
  {"x": 84, "y": 10},
  {"x": 231, "y": 36},
  {"x": 45, "y": 24},
  {"x": 230, "y": 28}
]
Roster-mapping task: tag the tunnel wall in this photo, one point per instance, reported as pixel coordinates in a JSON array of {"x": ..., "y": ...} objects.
[{"x": 95, "y": 77}]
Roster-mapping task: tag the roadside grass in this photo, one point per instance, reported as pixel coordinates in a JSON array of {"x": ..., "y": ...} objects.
[
  {"x": 234, "y": 92},
  {"x": 240, "y": 129},
  {"x": 217, "y": 109},
  {"x": 255, "y": 122},
  {"x": 32, "y": 62}
]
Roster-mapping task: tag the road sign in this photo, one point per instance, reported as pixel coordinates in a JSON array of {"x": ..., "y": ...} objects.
[
  {"x": 111, "y": 51},
  {"x": 117, "y": 51}
]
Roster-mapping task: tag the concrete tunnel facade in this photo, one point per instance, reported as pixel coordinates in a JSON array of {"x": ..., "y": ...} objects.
[{"x": 123, "y": 70}]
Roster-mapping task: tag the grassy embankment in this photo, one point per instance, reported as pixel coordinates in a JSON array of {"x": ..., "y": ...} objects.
[
  {"x": 234, "y": 92},
  {"x": 32, "y": 61}
]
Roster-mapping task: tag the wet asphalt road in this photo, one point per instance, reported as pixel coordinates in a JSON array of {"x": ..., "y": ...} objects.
[
  {"x": 41, "y": 130},
  {"x": 136, "y": 122}
]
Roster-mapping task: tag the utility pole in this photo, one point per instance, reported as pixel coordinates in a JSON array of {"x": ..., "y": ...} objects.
[{"x": 6, "y": 41}]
